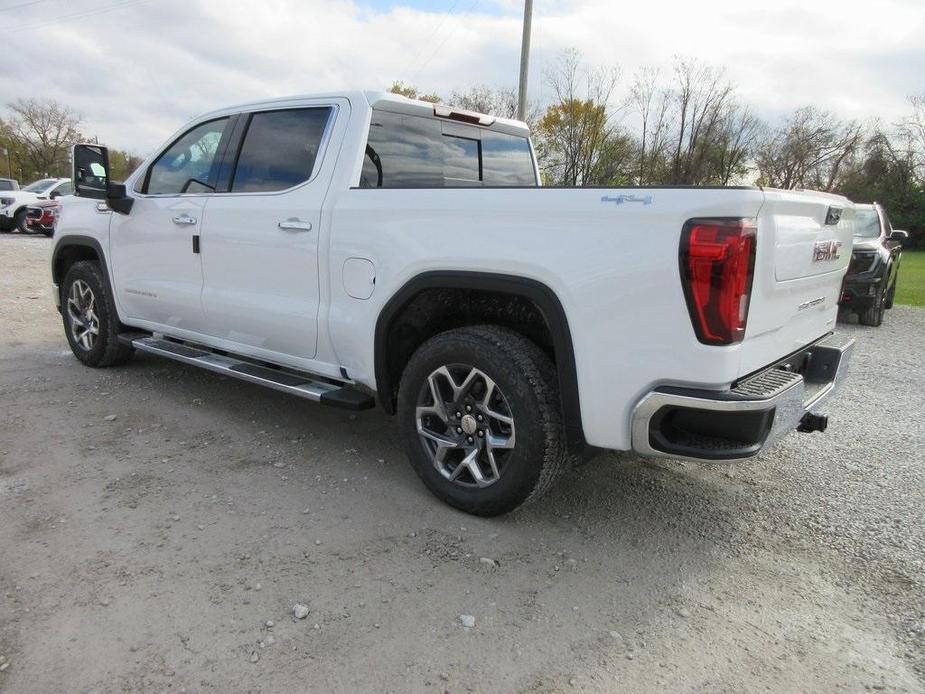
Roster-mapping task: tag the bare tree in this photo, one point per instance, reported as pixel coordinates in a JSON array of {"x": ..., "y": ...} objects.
[
  {"x": 651, "y": 103},
  {"x": 494, "y": 102},
  {"x": 44, "y": 131},
  {"x": 702, "y": 102},
  {"x": 810, "y": 150},
  {"x": 576, "y": 131},
  {"x": 912, "y": 131}
]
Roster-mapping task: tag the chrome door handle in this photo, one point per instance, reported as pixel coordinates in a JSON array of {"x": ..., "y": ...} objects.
[
  {"x": 184, "y": 220},
  {"x": 293, "y": 224}
]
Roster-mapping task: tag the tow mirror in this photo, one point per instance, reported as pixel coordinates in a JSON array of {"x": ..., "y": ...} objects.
[
  {"x": 91, "y": 178},
  {"x": 899, "y": 235}
]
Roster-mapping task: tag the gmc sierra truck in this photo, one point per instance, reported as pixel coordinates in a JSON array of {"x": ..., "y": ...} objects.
[{"x": 359, "y": 247}]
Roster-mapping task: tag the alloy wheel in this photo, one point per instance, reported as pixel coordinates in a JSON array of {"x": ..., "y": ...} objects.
[
  {"x": 465, "y": 425},
  {"x": 83, "y": 321}
]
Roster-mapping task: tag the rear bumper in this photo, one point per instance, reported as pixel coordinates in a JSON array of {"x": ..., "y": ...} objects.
[{"x": 740, "y": 422}]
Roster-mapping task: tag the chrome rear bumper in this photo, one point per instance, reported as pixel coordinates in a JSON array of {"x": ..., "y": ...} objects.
[{"x": 740, "y": 422}]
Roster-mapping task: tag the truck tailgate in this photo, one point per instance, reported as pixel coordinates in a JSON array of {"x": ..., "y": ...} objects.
[{"x": 803, "y": 249}]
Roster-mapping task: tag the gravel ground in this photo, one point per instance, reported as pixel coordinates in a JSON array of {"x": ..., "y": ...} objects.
[{"x": 158, "y": 524}]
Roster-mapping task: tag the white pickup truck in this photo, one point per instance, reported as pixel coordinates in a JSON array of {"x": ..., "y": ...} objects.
[{"x": 359, "y": 247}]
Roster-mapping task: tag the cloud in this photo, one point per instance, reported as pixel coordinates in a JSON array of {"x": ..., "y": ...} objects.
[{"x": 138, "y": 71}]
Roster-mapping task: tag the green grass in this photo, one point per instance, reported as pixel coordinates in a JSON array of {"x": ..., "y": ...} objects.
[{"x": 911, "y": 287}]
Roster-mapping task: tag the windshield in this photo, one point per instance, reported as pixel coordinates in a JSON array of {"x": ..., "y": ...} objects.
[
  {"x": 868, "y": 224},
  {"x": 40, "y": 186}
]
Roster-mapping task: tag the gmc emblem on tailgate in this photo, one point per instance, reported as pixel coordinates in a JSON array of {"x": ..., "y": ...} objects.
[{"x": 826, "y": 250}]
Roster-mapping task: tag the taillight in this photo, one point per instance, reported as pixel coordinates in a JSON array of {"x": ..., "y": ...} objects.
[{"x": 717, "y": 264}]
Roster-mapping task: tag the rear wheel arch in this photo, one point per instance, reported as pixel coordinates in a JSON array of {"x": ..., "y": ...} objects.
[{"x": 522, "y": 292}]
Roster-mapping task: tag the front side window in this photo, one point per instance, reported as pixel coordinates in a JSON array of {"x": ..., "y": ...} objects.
[
  {"x": 187, "y": 165},
  {"x": 279, "y": 149},
  {"x": 66, "y": 188}
]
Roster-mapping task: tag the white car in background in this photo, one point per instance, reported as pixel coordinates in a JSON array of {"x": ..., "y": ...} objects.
[{"x": 13, "y": 203}]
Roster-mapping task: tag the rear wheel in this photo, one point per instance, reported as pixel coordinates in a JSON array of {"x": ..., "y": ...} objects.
[
  {"x": 480, "y": 416},
  {"x": 90, "y": 320},
  {"x": 873, "y": 314}
]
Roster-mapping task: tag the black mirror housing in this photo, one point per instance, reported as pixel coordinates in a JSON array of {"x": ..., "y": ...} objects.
[
  {"x": 91, "y": 171},
  {"x": 92, "y": 180},
  {"x": 899, "y": 235},
  {"x": 118, "y": 199}
]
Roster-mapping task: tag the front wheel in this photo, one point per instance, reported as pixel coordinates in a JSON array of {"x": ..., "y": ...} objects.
[
  {"x": 480, "y": 416},
  {"x": 90, "y": 320},
  {"x": 19, "y": 222},
  {"x": 891, "y": 295}
]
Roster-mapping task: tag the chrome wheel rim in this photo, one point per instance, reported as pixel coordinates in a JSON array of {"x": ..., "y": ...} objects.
[
  {"x": 465, "y": 425},
  {"x": 82, "y": 318}
]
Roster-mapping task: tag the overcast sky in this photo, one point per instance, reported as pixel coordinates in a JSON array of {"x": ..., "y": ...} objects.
[{"x": 137, "y": 69}]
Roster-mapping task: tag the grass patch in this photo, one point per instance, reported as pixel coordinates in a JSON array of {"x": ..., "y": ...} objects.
[{"x": 911, "y": 287}]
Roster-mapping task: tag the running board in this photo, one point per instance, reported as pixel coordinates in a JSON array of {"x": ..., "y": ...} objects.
[{"x": 300, "y": 385}]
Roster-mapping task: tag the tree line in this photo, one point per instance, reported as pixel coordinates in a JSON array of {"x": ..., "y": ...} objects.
[
  {"x": 688, "y": 126},
  {"x": 36, "y": 139},
  {"x": 683, "y": 126}
]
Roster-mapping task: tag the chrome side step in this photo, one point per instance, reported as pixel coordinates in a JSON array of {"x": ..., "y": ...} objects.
[{"x": 299, "y": 384}]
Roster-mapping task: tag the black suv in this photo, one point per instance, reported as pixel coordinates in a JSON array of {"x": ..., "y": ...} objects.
[{"x": 870, "y": 284}]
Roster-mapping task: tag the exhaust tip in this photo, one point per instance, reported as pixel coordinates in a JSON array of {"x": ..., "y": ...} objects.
[{"x": 813, "y": 422}]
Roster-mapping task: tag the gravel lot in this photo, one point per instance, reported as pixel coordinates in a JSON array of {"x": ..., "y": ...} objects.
[{"x": 152, "y": 551}]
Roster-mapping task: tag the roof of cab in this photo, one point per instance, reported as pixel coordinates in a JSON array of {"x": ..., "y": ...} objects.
[{"x": 385, "y": 101}]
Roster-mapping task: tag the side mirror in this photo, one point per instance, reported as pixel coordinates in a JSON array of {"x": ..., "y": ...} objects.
[
  {"x": 91, "y": 171},
  {"x": 899, "y": 235},
  {"x": 55, "y": 194},
  {"x": 91, "y": 178}
]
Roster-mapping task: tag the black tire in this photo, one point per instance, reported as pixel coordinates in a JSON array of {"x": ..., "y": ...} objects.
[
  {"x": 873, "y": 314},
  {"x": 103, "y": 348},
  {"x": 526, "y": 379},
  {"x": 19, "y": 222},
  {"x": 891, "y": 294}
]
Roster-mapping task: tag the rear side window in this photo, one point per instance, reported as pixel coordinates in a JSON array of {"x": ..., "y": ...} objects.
[
  {"x": 186, "y": 166},
  {"x": 419, "y": 152},
  {"x": 507, "y": 160},
  {"x": 279, "y": 150},
  {"x": 6, "y": 185}
]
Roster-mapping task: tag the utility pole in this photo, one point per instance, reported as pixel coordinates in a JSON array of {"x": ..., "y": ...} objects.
[
  {"x": 9, "y": 166},
  {"x": 524, "y": 61}
]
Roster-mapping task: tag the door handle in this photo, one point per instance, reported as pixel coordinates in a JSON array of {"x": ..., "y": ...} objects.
[
  {"x": 293, "y": 224},
  {"x": 184, "y": 220}
]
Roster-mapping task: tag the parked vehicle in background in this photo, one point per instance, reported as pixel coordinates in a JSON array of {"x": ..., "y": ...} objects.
[
  {"x": 870, "y": 284},
  {"x": 357, "y": 246},
  {"x": 13, "y": 203},
  {"x": 42, "y": 216},
  {"x": 8, "y": 184}
]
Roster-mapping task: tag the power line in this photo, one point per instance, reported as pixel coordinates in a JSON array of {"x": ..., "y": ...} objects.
[
  {"x": 22, "y": 5},
  {"x": 446, "y": 38},
  {"x": 95, "y": 12},
  {"x": 433, "y": 32}
]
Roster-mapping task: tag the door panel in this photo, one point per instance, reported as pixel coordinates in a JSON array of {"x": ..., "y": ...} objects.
[
  {"x": 157, "y": 276},
  {"x": 260, "y": 282},
  {"x": 260, "y": 240}
]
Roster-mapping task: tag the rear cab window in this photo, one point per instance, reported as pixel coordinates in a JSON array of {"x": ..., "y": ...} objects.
[{"x": 406, "y": 151}]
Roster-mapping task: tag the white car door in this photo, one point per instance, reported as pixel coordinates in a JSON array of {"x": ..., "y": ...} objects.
[
  {"x": 154, "y": 249},
  {"x": 260, "y": 238}
]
